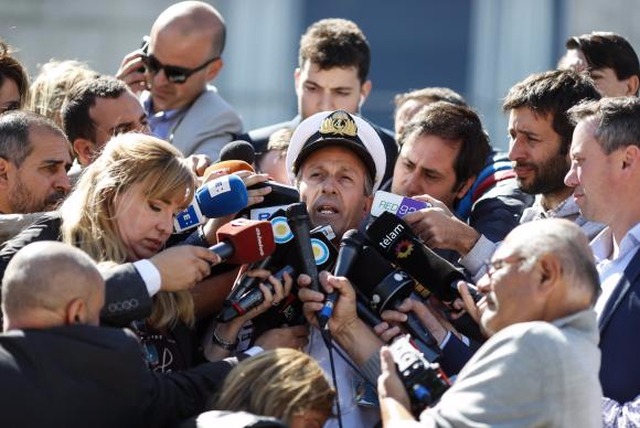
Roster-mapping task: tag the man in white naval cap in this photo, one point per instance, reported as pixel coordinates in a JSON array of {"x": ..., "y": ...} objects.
[{"x": 337, "y": 162}]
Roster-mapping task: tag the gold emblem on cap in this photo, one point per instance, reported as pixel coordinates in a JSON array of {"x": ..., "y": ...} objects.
[{"x": 339, "y": 123}]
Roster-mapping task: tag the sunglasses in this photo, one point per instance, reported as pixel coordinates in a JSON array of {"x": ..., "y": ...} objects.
[{"x": 174, "y": 74}]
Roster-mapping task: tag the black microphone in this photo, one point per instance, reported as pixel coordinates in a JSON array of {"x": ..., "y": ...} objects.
[
  {"x": 251, "y": 299},
  {"x": 351, "y": 243},
  {"x": 400, "y": 245},
  {"x": 238, "y": 150},
  {"x": 298, "y": 220},
  {"x": 385, "y": 288}
]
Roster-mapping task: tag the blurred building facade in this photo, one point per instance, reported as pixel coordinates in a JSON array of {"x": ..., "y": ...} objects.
[{"x": 477, "y": 47}]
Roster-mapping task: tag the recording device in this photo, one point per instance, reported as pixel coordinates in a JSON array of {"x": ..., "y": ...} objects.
[
  {"x": 424, "y": 381},
  {"x": 217, "y": 198},
  {"x": 384, "y": 287},
  {"x": 251, "y": 299},
  {"x": 395, "y": 204},
  {"x": 400, "y": 245},
  {"x": 280, "y": 197},
  {"x": 244, "y": 241},
  {"x": 300, "y": 224},
  {"x": 351, "y": 243},
  {"x": 238, "y": 150}
]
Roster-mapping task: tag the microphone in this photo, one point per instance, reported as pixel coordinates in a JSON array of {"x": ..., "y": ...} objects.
[
  {"x": 217, "y": 198},
  {"x": 238, "y": 150},
  {"x": 251, "y": 299},
  {"x": 385, "y": 288},
  {"x": 351, "y": 243},
  {"x": 244, "y": 241},
  {"x": 298, "y": 220},
  {"x": 400, "y": 245},
  {"x": 228, "y": 167}
]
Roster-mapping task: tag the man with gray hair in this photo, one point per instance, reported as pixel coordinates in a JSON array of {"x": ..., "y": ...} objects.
[
  {"x": 540, "y": 366},
  {"x": 58, "y": 368},
  {"x": 604, "y": 174}
]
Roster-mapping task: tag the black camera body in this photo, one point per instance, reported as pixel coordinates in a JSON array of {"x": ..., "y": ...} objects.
[{"x": 425, "y": 382}]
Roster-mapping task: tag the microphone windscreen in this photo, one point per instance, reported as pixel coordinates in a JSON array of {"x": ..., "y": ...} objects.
[
  {"x": 399, "y": 244},
  {"x": 238, "y": 150},
  {"x": 228, "y": 167},
  {"x": 222, "y": 196},
  {"x": 368, "y": 270},
  {"x": 251, "y": 240}
]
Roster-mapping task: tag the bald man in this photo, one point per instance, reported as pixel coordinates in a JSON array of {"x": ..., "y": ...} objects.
[
  {"x": 540, "y": 366},
  {"x": 184, "y": 54},
  {"x": 58, "y": 369}
]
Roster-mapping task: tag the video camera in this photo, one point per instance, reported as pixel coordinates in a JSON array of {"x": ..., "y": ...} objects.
[{"x": 425, "y": 382}]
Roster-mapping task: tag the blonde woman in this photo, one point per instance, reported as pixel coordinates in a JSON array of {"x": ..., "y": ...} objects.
[
  {"x": 283, "y": 383},
  {"x": 120, "y": 212}
]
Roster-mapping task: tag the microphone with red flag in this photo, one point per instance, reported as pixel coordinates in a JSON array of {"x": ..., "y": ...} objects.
[{"x": 244, "y": 241}]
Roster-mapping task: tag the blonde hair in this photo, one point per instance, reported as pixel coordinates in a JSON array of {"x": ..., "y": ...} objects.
[
  {"x": 50, "y": 89},
  {"x": 281, "y": 383},
  {"x": 88, "y": 214}
]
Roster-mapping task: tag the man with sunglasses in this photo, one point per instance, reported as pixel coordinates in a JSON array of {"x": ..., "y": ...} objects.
[{"x": 172, "y": 72}]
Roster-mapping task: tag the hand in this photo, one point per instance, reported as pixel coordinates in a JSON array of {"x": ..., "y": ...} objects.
[
  {"x": 475, "y": 309},
  {"x": 344, "y": 311},
  {"x": 296, "y": 337},
  {"x": 198, "y": 164},
  {"x": 428, "y": 316},
  {"x": 181, "y": 267},
  {"x": 389, "y": 383},
  {"x": 130, "y": 71},
  {"x": 229, "y": 331},
  {"x": 249, "y": 178},
  {"x": 439, "y": 228}
]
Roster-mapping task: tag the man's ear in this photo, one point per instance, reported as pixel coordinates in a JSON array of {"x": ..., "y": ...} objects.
[
  {"x": 365, "y": 90},
  {"x": 85, "y": 150},
  {"x": 5, "y": 167},
  {"x": 551, "y": 272},
  {"x": 296, "y": 80},
  {"x": 464, "y": 187},
  {"x": 213, "y": 69},
  {"x": 633, "y": 83},
  {"x": 631, "y": 156},
  {"x": 76, "y": 312},
  {"x": 367, "y": 206}
]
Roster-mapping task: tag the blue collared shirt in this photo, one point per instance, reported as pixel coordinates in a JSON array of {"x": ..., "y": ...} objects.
[{"x": 162, "y": 122}]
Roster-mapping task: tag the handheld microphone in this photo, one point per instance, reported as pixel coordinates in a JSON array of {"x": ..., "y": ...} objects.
[
  {"x": 238, "y": 150},
  {"x": 251, "y": 299},
  {"x": 400, "y": 245},
  {"x": 228, "y": 167},
  {"x": 216, "y": 198},
  {"x": 351, "y": 243},
  {"x": 298, "y": 220},
  {"x": 244, "y": 241},
  {"x": 385, "y": 288}
]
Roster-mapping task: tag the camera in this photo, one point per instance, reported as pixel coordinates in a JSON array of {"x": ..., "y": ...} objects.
[{"x": 425, "y": 382}]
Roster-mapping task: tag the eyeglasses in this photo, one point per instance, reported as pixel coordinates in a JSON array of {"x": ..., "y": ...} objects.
[
  {"x": 174, "y": 73},
  {"x": 492, "y": 266}
]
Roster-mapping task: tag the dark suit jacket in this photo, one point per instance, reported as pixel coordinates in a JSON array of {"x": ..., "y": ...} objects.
[
  {"x": 260, "y": 138},
  {"x": 126, "y": 296},
  {"x": 85, "y": 376},
  {"x": 619, "y": 325}
]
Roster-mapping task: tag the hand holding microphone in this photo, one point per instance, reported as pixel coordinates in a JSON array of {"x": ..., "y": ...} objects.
[{"x": 351, "y": 243}]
